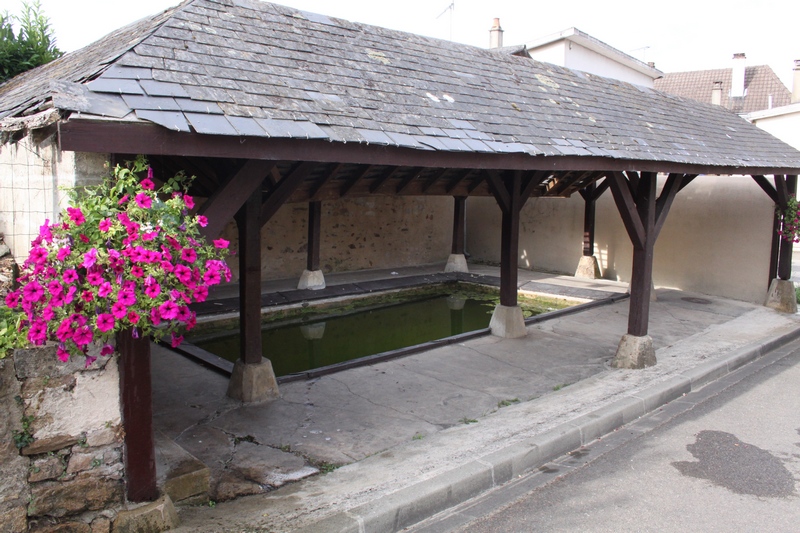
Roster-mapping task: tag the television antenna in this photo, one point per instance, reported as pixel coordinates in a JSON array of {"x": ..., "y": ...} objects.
[{"x": 451, "y": 8}]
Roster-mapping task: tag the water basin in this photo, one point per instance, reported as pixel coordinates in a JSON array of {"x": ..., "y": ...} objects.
[{"x": 321, "y": 338}]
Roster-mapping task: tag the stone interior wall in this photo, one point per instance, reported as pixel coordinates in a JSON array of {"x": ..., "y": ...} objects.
[
  {"x": 70, "y": 475},
  {"x": 716, "y": 239},
  {"x": 356, "y": 234},
  {"x": 30, "y": 177}
]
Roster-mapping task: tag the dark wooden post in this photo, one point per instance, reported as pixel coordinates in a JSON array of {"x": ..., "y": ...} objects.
[
  {"x": 509, "y": 242},
  {"x": 459, "y": 214},
  {"x": 249, "y": 224},
  {"x": 642, "y": 274},
  {"x": 589, "y": 208},
  {"x": 644, "y": 217},
  {"x": 314, "y": 224},
  {"x": 137, "y": 417},
  {"x": 785, "y": 257}
]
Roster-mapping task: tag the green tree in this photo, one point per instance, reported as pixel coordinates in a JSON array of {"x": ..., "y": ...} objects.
[{"x": 34, "y": 45}]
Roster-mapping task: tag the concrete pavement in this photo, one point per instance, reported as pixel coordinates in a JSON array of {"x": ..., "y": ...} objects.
[
  {"x": 720, "y": 459},
  {"x": 425, "y": 432}
]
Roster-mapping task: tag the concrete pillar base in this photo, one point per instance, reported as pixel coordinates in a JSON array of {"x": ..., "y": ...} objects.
[
  {"x": 312, "y": 279},
  {"x": 508, "y": 322},
  {"x": 781, "y": 296},
  {"x": 456, "y": 263},
  {"x": 634, "y": 352},
  {"x": 254, "y": 382},
  {"x": 588, "y": 268}
]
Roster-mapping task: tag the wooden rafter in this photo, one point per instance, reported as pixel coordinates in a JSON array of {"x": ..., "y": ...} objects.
[
  {"x": 405, "y": 182},
  {"x": 383, "y": 178},
  {"x": 284, "y": 190},
  {"x": 461, "y": 176},
  {"x": 433, "y": 179},
  {"x": 359, "y": 175},
  {"x": 232, "y": 194},
  {"x": 313, "y": 192}
]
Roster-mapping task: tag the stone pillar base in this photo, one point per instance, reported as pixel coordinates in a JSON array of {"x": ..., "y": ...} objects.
[
  {"x": 634, "y": 352},
  {"x": 508, "y": 322},
  {"x": 456, "y": 263},
  {"x": 781, "y": 296},
  {"x": 588, "y": 268},
  {"x": 312, "y": 279},
  {"x": 157, "y": 516},
  {"x": 253, "y": 382}
]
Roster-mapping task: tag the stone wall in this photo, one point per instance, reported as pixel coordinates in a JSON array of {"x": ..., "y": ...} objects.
[
  {"x": 60, "y": 443},
  {"x": 356, "y": 234},
  {"x": 30, "y": 177}
]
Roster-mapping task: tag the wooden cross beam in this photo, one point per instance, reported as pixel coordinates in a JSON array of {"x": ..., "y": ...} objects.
[
  {"x": 234, "y": 192},
  {"x": 643, "y": 216},
  {"x": 284, "y": 189}
]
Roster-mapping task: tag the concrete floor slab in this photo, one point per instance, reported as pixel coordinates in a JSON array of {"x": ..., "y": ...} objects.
[{"x": 399, "y": 423}]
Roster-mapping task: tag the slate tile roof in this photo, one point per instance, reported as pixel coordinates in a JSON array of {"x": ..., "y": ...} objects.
[
  {"x": 760, "y": 83},
  {"x": 250, "y": 68}
]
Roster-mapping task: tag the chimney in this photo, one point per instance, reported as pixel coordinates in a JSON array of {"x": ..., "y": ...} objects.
[
  {"x": 716, "y": 93},
  {"x": 737, "y": 75},
  {"x": 496, "y": 35},
  {"x": 796, "y": 82}
]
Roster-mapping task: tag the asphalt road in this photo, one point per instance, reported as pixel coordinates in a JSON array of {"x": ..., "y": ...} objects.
[{"x": 726, "y": 458}]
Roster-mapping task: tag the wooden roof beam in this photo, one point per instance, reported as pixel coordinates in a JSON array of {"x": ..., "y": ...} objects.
[
  {"x": 380, "y": 180},
  {"x": 284, "y": 190},
  {"x": 313, "y": 192},
  {"x": 347, "y": 187}
]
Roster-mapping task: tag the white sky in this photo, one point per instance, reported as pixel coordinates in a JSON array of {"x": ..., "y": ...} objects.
[{"x": 677, "y": 35}]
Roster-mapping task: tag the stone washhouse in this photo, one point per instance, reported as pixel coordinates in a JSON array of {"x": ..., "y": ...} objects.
[{"x": 270, "y": 106}]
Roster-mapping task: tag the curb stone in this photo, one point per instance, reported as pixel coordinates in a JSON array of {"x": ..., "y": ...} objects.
[{"x": 417, "y": 502}]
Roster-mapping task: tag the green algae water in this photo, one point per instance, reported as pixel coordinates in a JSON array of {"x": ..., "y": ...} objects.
[{"x": 319, "y": 341}]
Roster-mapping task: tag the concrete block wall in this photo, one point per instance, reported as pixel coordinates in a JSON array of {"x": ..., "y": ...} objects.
[
  {"x": 31, "y": 176},
  {"x": 716, "y": 239},
  {"x": 70, "y": 475}
]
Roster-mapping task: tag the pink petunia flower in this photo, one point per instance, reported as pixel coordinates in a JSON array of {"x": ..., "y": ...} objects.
[
  {"x": 62, "y": 354},
  {"x": 37, "y": 255},
  {"x": 144, "y": 201},
  {"x": 189, "y": 201},
  {"x": 221, "y": 243},
  {"x": 83, "y": 336},
  {"x": 70, "y": 276},
  {"x": 76, "y": 215},
  {"x": 32, "y": 292},
  {"x": 153, "y": 290},
  {"x": 89, "y": 258},
  {"x": 105, "y": 225},
  {"x": 87, "y": 296},
  {"x": 119, "y": 310},
  {"x": 202, "y": 221},
  {"x": 168, "y": 310},
  {"x": 176, "y": 340},
  {"x": 94, "y": 278},
  {"x": 183, "y": 273},
  {"x": 105, "y": 322},
  {"x": 105, "y": 289},
  {"x": 188, "y": 255},
  {"x": 147, "y": 184},
  {"x": 12, "y": 299},
  {"x": 63, "y": 253},
  {"x": 126, "y": 297},
  {"x": 133, "y": 317},
  {"x": 107, "y": 349}
]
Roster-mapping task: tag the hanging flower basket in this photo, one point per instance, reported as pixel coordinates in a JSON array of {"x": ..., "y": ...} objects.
[
  {"x": 124, "y": 256},
  {"x": 790, "y": 227}
]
